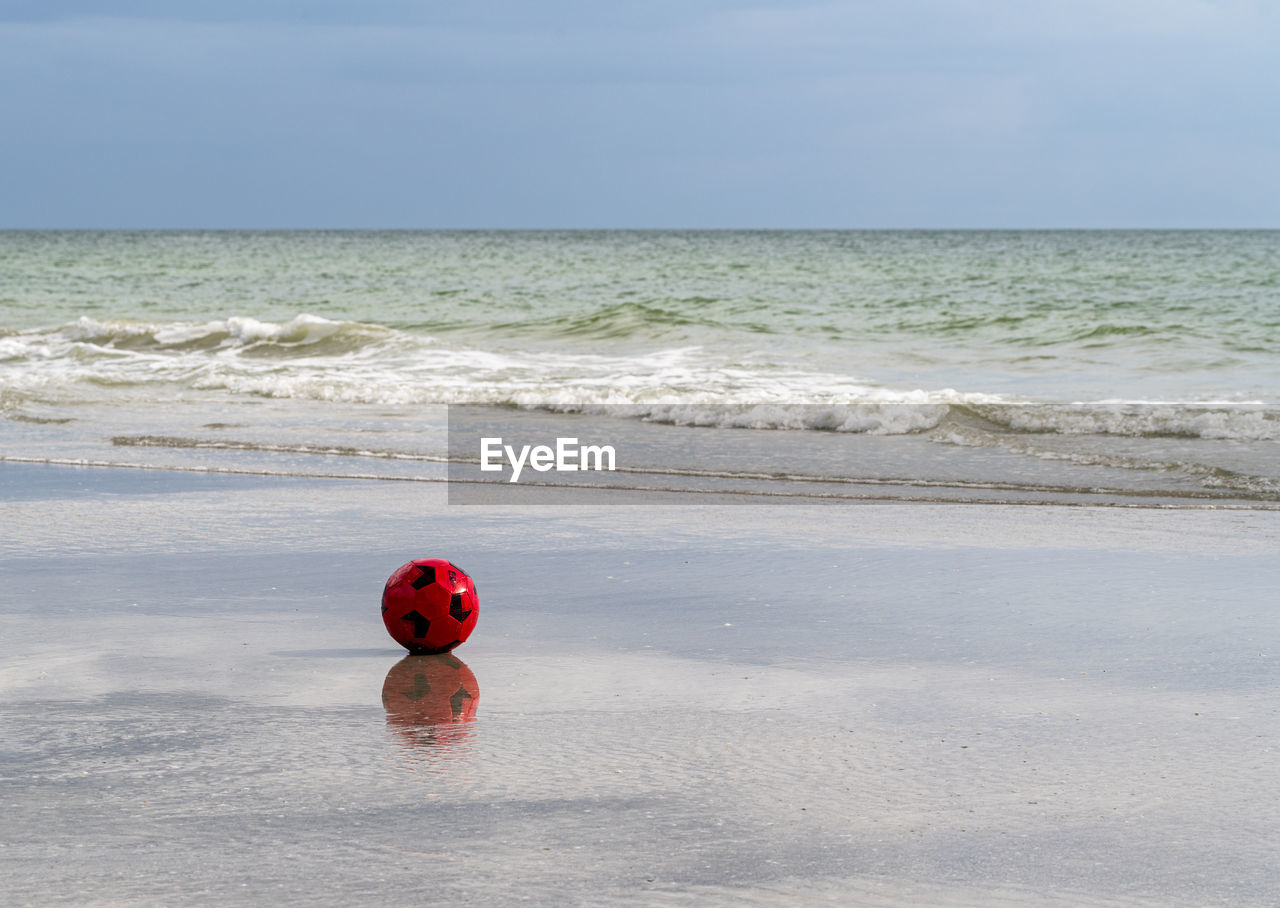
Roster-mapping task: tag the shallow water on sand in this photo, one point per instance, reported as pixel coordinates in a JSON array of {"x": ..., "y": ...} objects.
[{"x": 891, "y": 703}]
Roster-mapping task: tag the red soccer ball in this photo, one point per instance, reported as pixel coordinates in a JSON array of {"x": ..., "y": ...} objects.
[{"x": 429, "y": 606}]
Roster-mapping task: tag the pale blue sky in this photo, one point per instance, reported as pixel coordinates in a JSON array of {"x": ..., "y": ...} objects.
[{"x": 700, "y": 113}]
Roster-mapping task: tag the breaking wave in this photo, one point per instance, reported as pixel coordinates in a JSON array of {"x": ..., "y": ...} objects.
[
  {"x": 314, "y": 334},
  {"x": 1244, "y": 421},
  {"x": 318, "y": 359}
]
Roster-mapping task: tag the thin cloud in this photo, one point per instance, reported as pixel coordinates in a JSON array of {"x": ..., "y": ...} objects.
[{"x": 923, "y": 113}]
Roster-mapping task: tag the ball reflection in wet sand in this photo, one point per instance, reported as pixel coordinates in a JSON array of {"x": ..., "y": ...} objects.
[{"x": 430, "y": 700}]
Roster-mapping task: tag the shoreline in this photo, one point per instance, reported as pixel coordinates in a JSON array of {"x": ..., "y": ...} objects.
[{"x": 588, "y": 494}]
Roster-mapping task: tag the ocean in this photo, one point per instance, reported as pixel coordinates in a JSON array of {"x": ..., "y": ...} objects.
[{"x": 1140, "y": 366}]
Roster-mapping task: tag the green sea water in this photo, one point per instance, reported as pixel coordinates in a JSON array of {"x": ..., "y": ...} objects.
[
  {"x": 1190, "y": 312},
  {"x": 971, "y": 338}
]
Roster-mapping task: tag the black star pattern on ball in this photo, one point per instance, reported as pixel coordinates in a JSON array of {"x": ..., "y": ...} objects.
[
  {"x": 426, "y": 578},
  {"x": 420, "y": 622},
  {"x": 473, "y": 580},
  {"x": 458, "y": 699},
  {"x": 456, "y": 611}
]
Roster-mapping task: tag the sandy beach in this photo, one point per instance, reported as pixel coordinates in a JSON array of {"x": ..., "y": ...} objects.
[{"x": 874, "y": 703}]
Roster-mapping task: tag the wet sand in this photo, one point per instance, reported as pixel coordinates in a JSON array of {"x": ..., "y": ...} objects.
[{"x": 871, "y": 703}]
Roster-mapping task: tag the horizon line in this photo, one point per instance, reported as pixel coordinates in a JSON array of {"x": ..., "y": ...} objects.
[{"x": 191, "y": 229}]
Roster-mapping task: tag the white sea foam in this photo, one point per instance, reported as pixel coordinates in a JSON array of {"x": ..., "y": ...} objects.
[
  {"x": 234, "y": 331},
  {"x": 319, "y": 359},
  {"x": 888, "y": 416},
  {"x": 304, "y": 329},
  {"x": 1189, "y": 419}
]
